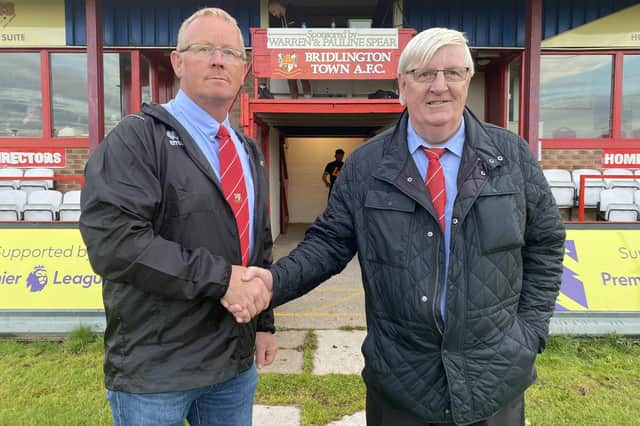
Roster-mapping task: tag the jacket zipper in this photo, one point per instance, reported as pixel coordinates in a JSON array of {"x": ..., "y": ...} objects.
[{"x": 436, "y": 294}]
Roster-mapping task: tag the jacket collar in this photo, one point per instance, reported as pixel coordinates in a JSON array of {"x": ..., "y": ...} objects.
[
  {"x": 480, "y": 142},
  {"x": 478, "y": 145},
  {"x": 162, "y": 115}
]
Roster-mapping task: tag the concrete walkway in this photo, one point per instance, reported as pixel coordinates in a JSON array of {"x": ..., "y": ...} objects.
[
  {"x": 335, "y": 304},
  {"x": 337, "y": 352}
]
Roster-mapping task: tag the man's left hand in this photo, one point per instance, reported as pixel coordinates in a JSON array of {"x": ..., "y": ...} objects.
[{"x": 266, "y": 348}]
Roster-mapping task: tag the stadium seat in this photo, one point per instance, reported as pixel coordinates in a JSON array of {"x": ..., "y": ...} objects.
[
  {"x": 10, "y": 172},
  {"x": 618, "y": 205},
  {"x": 34, "y": 185},
  {"x": 616, "y": 182},
  {"x": 70, "y": 207},
  {"x": 562, "y": 186},
  {"x": 12, "y": 204},
  {"x": 42, "y": 205},
  {"x": 593, "y": 186}
]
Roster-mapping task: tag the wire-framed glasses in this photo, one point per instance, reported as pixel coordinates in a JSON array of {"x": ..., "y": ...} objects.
[
  {"x": 429, "y": 75},
  {"x": 206, "y": 51}
]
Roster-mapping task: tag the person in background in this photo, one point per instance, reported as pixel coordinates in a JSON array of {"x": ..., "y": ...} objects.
[
  {"x": 460, "y": 243},
  {"x": 174, "y": 201},
  {"x": 332, "y": 170},
  {"x": 284, "y": 16}
]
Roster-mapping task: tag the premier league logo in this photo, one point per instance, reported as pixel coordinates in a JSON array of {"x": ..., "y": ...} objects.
[{"x": 38, "y": 279}]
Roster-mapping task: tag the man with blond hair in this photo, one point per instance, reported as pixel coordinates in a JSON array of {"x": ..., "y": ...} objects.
[
  {"x": 460, "y": 245},
  {"x": 173, "y": 199}
]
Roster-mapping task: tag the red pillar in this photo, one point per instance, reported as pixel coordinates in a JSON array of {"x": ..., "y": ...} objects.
[
  {"x": 531, "y": 81},
  {"x": 45, "y": 83},
  {"x": 136, "y": 80},
  {"x": 496, "y": 94},
  {"x": 95, "y": 73}
]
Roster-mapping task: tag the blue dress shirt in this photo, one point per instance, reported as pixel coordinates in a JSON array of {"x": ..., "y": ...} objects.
[
  {"x": 450, "y": 162},
  {"x": 203, "y": 129}
]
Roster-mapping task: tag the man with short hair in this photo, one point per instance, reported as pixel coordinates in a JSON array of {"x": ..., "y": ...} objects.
[
  {"x": 174, "y": 198},
  {"x": 460, "y": 245},
  {"x": 332, "y": 170}
]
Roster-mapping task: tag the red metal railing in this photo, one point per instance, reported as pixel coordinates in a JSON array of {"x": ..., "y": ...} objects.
[{"x": 581, "y": 191}]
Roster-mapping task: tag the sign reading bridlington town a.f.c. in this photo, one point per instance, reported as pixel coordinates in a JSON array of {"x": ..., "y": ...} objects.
[{"x": 332, "y": 53}]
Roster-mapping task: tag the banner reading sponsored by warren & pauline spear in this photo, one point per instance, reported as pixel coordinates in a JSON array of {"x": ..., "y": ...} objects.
[
  {"x": 328, "y": 53},
  {"x": 46, "y": 269}
]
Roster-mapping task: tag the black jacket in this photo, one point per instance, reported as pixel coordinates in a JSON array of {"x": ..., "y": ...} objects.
[
  {"x": 504, "y": 271},
  {"x": 158, "y": 229}
]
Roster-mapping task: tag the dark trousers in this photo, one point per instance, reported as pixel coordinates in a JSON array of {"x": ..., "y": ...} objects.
[{"x": 380, "y": 412}]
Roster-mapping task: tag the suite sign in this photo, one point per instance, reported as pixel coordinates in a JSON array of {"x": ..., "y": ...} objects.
[
  {"x": 333, "y": 53},
  {"x": 25, "y": 23}
]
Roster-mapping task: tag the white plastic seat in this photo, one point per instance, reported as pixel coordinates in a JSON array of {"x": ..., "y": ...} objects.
[
  {"x": 42, "y": 205},
  {"x": 70, "y": 215},
  {"x": 562, "y": 186},
  {"x": 618, "y": 205},
  {"x": 618, "y": 182},
  {"x": 622, "y": 213},
  {"x": 10, "y": 172},
  {"x": 30, "y": 185},
  {"x": 12, "y": 204},
  {"x": 70, "y": 207},
  {"x": 592, "y": 186}
]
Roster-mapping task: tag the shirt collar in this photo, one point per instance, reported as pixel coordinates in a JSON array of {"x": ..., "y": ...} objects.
[
  {"x": 454, "y": 144},
  {"x": 198, "y": 116}
]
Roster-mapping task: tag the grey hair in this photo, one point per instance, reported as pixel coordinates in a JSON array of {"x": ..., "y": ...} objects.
[
  {"x": 425, "y": 44},
  {"x": 207, "y": 11}
]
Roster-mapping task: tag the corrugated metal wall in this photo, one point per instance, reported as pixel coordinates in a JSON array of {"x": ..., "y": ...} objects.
[
  {"x": 500, "y": 23},
  {"x": 152, "y": 23},
  {"x": 488, "y": 23}
]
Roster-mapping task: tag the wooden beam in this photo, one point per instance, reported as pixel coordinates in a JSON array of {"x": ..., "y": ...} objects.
[
  {"x": 95, "y": 71},
  {"x": 531, "y": 81}
]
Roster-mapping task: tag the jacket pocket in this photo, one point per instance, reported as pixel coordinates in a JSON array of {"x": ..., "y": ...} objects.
[
  {"x": 186, "y": 203},
  {"x": 388, "y": 219},
  {"x": 499, "y": 221}
]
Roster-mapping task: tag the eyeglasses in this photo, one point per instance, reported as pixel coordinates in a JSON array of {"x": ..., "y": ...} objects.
[
  {"x": 206, "y": 51},
  {"x": 452, "y": 75}
]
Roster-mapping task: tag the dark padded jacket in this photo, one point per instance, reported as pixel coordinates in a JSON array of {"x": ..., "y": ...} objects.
[
  {"x": 504, "y": 272},
  {"x": 158, "y": 229}
]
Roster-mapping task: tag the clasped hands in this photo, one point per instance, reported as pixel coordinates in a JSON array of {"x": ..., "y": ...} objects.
[{"x": 249, "y": 292}]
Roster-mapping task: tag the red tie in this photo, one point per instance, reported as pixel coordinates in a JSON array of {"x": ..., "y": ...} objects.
[
  {"x": 234, "y": 188},
  {"x": 435, "y": 181}
]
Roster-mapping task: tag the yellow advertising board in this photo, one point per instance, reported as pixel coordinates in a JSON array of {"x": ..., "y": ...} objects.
[
  {"x": 601, "y": 271},
  {"x": 48, "y": 268},
  {"x": 615, "y": 31},
  {"x": 32, "y": 23},
  {"x": 45, "y": 268}
]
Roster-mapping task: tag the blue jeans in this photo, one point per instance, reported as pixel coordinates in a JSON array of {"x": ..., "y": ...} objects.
[{"x": 229, "y": 404}]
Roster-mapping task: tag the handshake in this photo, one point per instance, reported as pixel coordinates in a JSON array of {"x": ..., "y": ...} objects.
[{"x": 249, "y": 292}]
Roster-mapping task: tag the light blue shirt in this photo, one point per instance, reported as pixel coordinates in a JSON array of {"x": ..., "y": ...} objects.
[
  {"x": 450, "y": 162},
  {"x": 203, "y": 129}
]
